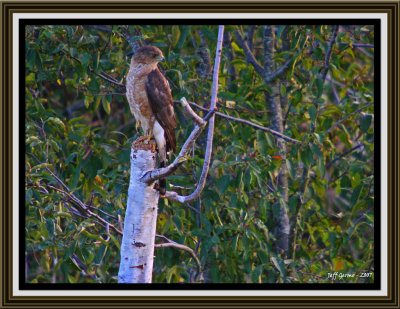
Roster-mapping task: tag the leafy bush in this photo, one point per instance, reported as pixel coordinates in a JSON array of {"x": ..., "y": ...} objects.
[{"x": 79, "y": 128}]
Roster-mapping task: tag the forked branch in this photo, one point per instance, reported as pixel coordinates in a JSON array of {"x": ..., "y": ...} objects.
[{"x": 207, "y": 158}]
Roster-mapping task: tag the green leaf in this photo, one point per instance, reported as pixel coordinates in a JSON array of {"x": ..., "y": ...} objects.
[
  {"x": 261, "y": 142},
  {"x": 38, "y": 62},
  {"x": 365, "y": 122},
  {"x": 97, "y": 102},
  {"x": 320, "y": 86},
  {"x": 297, "y": 97},
  {"x": 176, "y": 33},
  {"x": 57, "y": 122},
  {"x": 356, "y": 227},
  {"x": 215, "y": 239},
  {"x": 33, "y": 141},
  {"x": 180, "y": 79},
  {"x": 290, "y": 168},
  {"x": 321, "y": 167},
  {"x": 345, "y": 182},
  {"x": 40, "y": 166},
  {"x": 280, "y": 29},
  {"x": 280, "y": 266},
  {"x": 106, "y": 104},
  {"x": 96, "y": 60},
  {"x": 317, "y": 151},
  {"x": 28, "y": 196},
  {"x": 50, "y": 227},
  {"x": 270, "y": 140},
  {"x": 101, "y": 252},
  {"x": 292, "y": 65},
  {"x": 86, "y": 100},
  {"x": 223, "y": 184},
  {"x": 85, "y": 59},
  {"x": 30, "y": 80},
  {"x": 115, "y": 241},
  {"x": 355, "y": 195},
  {"x": 185, "y": 31},
  {"x": 283, "y": 90},
  {"x": 75, "y": 178},
  {"x": 312, "y": 111}
]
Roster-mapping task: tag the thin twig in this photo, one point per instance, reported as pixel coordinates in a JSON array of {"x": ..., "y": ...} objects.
[
  {"x": 358, "y": 45},
  {"x": 247, "y": 122},
  {"x": 82, "y": 206},
  {"x": 103, "y": 212},
  {"x": 347, "y": 117},
  {"x": 104, "y": 94},
  {"x": 344, "y": 154},
  {"x": 102, "y": 75},
  {"x": 171, "y": 243}
]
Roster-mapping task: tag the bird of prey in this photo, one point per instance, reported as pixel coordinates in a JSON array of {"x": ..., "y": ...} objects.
[{"x": 150, "y": 101}]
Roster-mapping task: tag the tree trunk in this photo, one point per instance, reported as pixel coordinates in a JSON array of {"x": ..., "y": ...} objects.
[
  {"x": 137, "y": 248},
  {"x": 276, "y": 120}
]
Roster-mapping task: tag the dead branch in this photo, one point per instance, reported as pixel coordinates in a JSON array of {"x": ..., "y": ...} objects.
[
  {"x": 171, "y": 243},
  {"x": 207, "y": 158},
  {"x": 247, "y": 122}
]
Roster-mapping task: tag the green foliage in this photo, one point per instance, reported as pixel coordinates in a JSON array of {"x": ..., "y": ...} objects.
[{"x": 79, "y": 127}]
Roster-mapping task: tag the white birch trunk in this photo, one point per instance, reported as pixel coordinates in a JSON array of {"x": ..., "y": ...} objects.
[{"x": 137, "y": 248}]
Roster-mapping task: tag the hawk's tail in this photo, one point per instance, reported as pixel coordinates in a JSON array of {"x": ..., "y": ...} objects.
[{"x": 162, "y": 182}]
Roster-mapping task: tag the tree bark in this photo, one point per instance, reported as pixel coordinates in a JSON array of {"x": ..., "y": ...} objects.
[
  {"x": 137, "y": 248},
  {"x": 276, "y": 119}
]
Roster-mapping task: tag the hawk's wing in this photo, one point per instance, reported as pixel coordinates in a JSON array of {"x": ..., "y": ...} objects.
[{"x": 160, "y": 99}]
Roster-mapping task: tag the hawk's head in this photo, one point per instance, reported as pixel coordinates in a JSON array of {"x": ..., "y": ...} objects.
[{"x": 148, "y": 55}]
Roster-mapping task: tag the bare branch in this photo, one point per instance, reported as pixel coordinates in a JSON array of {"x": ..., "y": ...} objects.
[
  {"x": 344, "y": 154},
  {"x": 83, "y": 208},
  {"x": 328, "y": 53},
  {"x": 133, "y": 42},
  {"x": 250, "y": 56},
  {"x": 347, "y": 117},
  {"x": 357, "y": 45},
  {"x": 252, "y": 59},
  {"x": 153, "y": 175},
  {"x": 191, "y": 113},
  {"x": 247, "y": 122},
  {"x": 207, "y": 157},
  {"x": 171, "y": 243},
  {"x": 87, "y": 213},
  {"x": 335, "y": 94},
  {"x": 102, "y": 75},
  {"x": 250, "y": 35},
  {"x": 278, "y": 72}
]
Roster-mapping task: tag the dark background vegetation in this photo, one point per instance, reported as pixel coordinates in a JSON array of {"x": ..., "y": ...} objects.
[{"x": 79, "y": 126}]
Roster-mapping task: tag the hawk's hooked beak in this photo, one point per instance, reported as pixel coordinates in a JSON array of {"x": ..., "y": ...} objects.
[{"x": 160, "y": 57}]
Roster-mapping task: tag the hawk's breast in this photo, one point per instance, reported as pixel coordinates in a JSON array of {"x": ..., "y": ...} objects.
[{"x": 137, "y": 97}]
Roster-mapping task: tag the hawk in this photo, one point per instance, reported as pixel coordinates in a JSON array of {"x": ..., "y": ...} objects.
[{"x": 150, "y": 102}]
